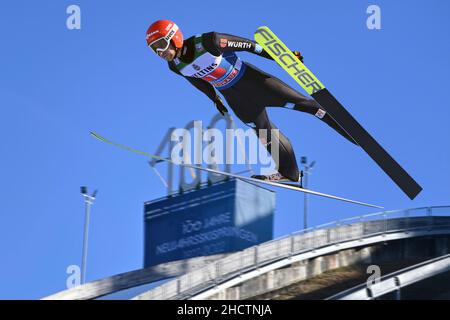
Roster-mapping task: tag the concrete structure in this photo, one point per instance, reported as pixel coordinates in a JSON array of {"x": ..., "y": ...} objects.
[
  {"x": 103, "y": 287},
  {"x": 384, "y": 254},
  {"x": 392, "y": 240},
  {"x": 398, "y": 281},
  {"x": 320, "y": 248}
]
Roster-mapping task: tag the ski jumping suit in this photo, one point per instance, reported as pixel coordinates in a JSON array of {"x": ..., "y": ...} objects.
[{"x": 208, "y": 61}]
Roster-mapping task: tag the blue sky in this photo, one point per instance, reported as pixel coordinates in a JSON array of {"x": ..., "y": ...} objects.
[{"x": 58, "y": 84}]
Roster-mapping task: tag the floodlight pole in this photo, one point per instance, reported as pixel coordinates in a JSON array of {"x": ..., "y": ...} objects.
[
  {"x": 88, "y": 202},
  {"x": 304, "y": 162}
]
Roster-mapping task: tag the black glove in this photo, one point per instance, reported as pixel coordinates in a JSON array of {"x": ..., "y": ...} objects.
[
  {"x": 298, "y": 55},
  {"x": 220, "y": 106}
]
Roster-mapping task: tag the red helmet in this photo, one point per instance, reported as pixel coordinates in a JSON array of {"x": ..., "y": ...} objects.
[{"x": 161, "y": 32}]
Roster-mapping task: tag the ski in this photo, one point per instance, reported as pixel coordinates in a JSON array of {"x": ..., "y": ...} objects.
[
  {"x": 309, "y": 82},
  {"x": 270, "y": 183}
]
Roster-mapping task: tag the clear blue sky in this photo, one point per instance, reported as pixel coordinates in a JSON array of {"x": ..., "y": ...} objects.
[{"x": 58, "y": 84}]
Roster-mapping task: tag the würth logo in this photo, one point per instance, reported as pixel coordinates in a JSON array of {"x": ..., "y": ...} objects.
[{"x": 238, "y": 44}]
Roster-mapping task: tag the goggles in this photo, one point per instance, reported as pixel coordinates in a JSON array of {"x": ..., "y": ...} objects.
[{"x": 162, "y": 44}]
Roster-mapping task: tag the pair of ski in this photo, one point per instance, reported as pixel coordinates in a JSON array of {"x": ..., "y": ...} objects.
[
  {"x": 303, "y": 76},
  {"x": 289, "y": 186},
  {"x": 306, "y": 79}
]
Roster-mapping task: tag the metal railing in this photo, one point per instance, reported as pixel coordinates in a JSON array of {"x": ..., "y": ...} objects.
[
  {"x": 355, "y": 228},
  {"x": 397, "y": 280}
]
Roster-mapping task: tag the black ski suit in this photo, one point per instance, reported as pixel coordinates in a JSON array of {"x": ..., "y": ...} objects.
[{"x": 255, "y": 90}]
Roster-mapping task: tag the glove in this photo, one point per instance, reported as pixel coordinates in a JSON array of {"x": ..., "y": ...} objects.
[
  {"x": 298, "y": 55},
  {"x": 220, "y": 106}
]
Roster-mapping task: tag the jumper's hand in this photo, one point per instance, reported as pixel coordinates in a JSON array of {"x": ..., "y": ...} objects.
[
  {"x": 220, "y": 106},
  {"x": 298, "y": 55}
]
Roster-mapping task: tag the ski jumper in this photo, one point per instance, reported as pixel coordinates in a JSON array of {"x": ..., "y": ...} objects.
[{"x": 208, "y": 61}]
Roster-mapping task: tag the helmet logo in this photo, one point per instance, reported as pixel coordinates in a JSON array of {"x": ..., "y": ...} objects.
[
  {"x": 152, "y": 33},
  {"x": 196, "y": 67},
  {"x": 171, "y": 33}
]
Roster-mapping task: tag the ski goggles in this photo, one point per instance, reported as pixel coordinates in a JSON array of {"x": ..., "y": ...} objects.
[{"x": 162, "y": 44}]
